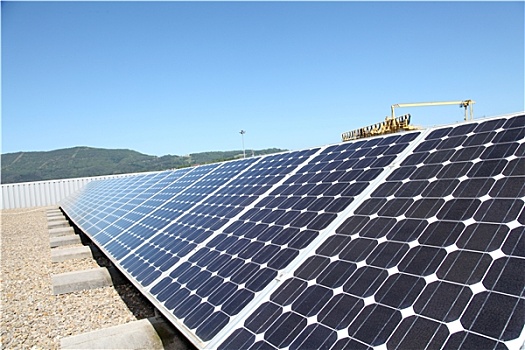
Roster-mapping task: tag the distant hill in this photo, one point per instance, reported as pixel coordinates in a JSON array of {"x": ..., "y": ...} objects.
[{"x": 86, "y": 161}]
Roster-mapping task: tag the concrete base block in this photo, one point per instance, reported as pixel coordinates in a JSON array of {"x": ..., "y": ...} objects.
[
  {"x": 54, "y": 211},
  {"x": 61, "y": 241},
  {"x": 64, "y": 254},
  {"x": 57, "y": 217},
  {"x": 61, "y": 231},
  {"x": 150, "y": 333},
  {"x": 57, "y": 224},
  {"x": 86, "y": 279}
]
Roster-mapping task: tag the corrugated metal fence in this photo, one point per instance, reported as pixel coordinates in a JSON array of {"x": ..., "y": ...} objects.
[{"x": 44, "y": 193}]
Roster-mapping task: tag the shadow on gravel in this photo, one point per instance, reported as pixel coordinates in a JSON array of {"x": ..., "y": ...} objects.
[{"x": 137, "y": 303}]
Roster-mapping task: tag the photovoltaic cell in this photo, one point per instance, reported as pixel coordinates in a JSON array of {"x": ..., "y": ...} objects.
[
  {"x": 241, "y": 260},
  {"x": 116, "y": 198},
  {"x": 411, "y": 240},
  {"x": 432, "y": 259}
]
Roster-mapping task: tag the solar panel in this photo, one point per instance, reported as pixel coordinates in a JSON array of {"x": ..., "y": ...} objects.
[
  {"x": 408, "y": 240},
  {"x": 433, "y": 258}
]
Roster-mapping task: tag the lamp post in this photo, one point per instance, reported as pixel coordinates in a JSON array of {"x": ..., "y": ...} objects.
[{"x": 242, "y": 132}]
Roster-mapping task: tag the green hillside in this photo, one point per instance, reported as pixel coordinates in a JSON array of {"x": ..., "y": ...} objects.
[{"x": 86, "y": 161}]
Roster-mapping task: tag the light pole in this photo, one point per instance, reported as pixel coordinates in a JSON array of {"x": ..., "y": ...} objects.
[{"x": 242, "y": 132}]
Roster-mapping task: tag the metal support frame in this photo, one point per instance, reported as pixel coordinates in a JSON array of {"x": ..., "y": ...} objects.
[{"x": 462, "y": 104}]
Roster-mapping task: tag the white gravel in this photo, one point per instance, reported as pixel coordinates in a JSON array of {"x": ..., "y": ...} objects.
[{"x": 31, "y": 316}]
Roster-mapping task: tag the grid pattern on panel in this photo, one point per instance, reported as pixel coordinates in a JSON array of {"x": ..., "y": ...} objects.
[
  {"x": 167, "y": 234},
  {"x": 82, "y": 204},
  {"x": 122, "y": 213},
  {"x": 146, "y": 219},
  {"x": 209, "y": 289},
  {"x": 115, "y": 197},
  {"x": 205, "y": 220},
  {"x": 434, "y": 258},
  {"x": 91, "y": 203},
  {"x": 138, "y": 207}
]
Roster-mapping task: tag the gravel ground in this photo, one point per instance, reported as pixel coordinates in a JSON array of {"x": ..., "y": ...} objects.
[{"x": 31, "y": 316}]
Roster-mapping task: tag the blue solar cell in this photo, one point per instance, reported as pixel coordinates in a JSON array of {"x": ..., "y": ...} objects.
[
  {"x": 479, "y": 315},
  {"x": 385, "y": 241},
  {"x": 418, "y": 332},
  {"x": 438, "y": 242}
]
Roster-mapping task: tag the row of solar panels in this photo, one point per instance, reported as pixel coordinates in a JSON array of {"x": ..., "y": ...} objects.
[{"x": 412, "y": 240}]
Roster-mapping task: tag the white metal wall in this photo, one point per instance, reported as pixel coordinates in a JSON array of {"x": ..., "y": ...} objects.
[{"x": 43, "y": 193}]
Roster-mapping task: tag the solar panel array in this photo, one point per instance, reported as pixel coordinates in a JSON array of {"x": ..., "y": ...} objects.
[{"x": 412, "y": 240}]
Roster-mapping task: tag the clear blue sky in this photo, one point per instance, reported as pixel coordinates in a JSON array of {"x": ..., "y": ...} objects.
[{"x": 184, "y": 77}]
